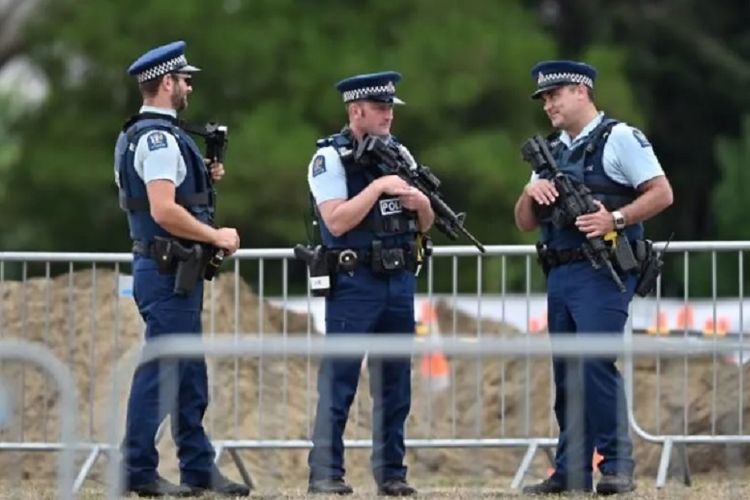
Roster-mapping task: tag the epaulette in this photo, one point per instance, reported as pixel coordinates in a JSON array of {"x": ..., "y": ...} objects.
[{"x": 341, "y": 142}]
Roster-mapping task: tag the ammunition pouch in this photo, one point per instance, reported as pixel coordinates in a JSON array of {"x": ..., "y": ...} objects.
[{"x": 391, "y": 260}]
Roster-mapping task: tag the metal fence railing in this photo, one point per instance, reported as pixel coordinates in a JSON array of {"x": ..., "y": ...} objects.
[
  {"x": 65, "y": 444},
  {"x": 78, "y": 306}
]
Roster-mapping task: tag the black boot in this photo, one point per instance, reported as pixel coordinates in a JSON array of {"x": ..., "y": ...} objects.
[
  {"x": 611, "y": 484},
  {"x": 396, "y": 488},
  {"x": 331, "y": 486},
  {"x": 159, "y": 488},
  {"x": 220, "y": 485},
  {"x": 552, "y": 486}
]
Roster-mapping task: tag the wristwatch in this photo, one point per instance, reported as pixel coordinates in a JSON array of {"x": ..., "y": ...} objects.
[{"x": 619, "y": 220}]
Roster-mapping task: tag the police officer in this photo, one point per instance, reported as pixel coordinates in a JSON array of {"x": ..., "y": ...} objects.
[
  {"x": 166, "y": 189},
  {"x": 618, "y": 164},
  {"x": 369, "y": 225}
]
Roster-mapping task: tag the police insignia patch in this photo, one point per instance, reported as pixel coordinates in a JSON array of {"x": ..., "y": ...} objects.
[
  {"x": 641, "y": 138},
  {"x": 156, "y": 140},
  {"x": 319, "y": 165}
]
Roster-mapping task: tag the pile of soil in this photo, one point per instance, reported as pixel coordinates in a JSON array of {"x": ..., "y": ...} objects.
[{"x": 80, "y": 317}]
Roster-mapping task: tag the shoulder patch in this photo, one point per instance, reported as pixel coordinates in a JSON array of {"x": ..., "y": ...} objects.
[
  {"x": 156, "y": 140},
  {"x": 641, "y": 138},
  {"x": 319, "y": 165}
]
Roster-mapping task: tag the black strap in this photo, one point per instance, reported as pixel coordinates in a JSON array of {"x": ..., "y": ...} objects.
[
  {"x": 199, "y": 130},
  {"x": 143, "y": 248},
  {"x": 149, "y": 116},
  {"x": 600, "y": 134}
]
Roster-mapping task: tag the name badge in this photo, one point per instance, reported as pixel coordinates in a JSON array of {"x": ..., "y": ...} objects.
[{"x": 390, "y": 206}]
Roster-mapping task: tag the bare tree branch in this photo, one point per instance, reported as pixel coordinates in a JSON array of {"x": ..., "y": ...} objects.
[{"x": 14, "y": 14}]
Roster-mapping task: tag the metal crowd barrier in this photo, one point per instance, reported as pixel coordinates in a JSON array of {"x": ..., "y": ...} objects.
[
  {"x": 42, "y": 358},
  {"x": 66, "y": 298},
  {"x": 584, "y": 346}
]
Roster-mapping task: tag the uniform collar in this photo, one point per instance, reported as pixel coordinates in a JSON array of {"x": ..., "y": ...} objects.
[
  {"x": 155, "y": 109},
  {"x": 566, "y": 139}
]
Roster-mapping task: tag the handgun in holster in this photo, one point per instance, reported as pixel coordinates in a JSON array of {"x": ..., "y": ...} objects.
[
  {"x": 651, "y": 264},
  {"x": 189, "y": 267},
  {"x": 542, "y": 257},
  {"x": 317, "y": 265}
]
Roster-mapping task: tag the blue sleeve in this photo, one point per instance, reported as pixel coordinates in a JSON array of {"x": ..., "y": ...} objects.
[
  {"x": 157, "y": 156},
  {"x": 629, "y": 158},
  {"x": 326, "y": 176}
]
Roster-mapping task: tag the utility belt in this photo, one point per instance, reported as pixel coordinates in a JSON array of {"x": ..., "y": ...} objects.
[
  {"x": 626, "y": 256},
  {"x": 188, "y": 261},
  {"x": 380, "y": 260},
  {"x": 323, "y": 263}
]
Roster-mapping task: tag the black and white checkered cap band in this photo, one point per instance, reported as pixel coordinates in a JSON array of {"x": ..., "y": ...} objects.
[
  {"x": 364, "y": 92},
  {"x": 162, "y": 68},
  {"x": 552, "y": 78}
]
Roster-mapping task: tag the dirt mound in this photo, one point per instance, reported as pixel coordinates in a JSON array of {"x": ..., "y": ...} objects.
[{"x": 81, "y": 318}]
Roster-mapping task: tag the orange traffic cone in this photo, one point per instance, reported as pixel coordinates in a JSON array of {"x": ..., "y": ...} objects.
[
  {"x": 596, "y": 459},
  {"x": 685, "y": 317},
  {"x": 720, "y": 328},
  {"x": 661, "y": 327},
  {"x": 434, "y": 366}
]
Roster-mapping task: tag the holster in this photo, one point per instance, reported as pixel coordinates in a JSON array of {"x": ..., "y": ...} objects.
[
  {"x": 186, "y": 261},
  {"x": 623, "y": 256},
  {"x": 317, "y": 261},
  {"x": 190, "y": 266},
  {"x": 651, "y": 264},
  {"x": 542, "y": 257}
]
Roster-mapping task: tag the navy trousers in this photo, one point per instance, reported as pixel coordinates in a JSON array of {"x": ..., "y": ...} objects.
[
  {"x": 365, "y": 303},
  {"x": 178, "y": 388},
  {"x": 590, "y": 403}
]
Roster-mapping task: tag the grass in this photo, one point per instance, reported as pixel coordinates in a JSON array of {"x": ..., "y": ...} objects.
[{"x": 713, "y": 487}]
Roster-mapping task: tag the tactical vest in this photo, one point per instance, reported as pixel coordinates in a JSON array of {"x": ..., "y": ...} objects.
[
  {"x": 583, "y": 163},
  {"x": 194, "y": 193},
  {"x": 386, "y": 221}
]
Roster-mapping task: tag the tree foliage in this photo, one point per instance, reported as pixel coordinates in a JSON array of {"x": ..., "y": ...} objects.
[
  {"x": 269, "y": 69},
  {"x": 678, "y": 69}
]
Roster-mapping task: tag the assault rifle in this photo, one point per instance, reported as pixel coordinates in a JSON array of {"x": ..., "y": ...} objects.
[
  {"x": 574, "y": 200},
  {"x": 216, "y": 140},
  {"x": 388, "y": 158}
]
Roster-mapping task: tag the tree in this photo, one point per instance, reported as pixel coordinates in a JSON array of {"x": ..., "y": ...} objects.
[{"x": 269, "y": 73}]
